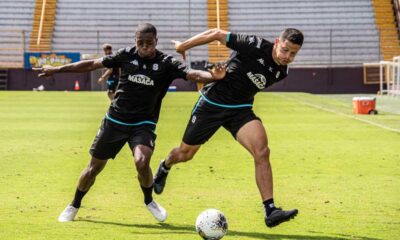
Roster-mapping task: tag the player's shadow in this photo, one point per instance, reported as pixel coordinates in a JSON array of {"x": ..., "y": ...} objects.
[{"x": 185, "y": 229}]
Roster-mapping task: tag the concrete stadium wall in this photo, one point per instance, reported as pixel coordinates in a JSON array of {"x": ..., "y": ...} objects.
[
  {"x": 330, "y": 80},
  {"x": 21, "y": 79},
  {"x": 325, "y": 80}
]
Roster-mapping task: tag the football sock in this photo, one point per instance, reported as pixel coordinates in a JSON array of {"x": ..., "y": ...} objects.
[
  {"x": 147, "y": 192},
  {"x": 165, "y": 166},
  {"x": 269, "y": 206},
  {"x": 76, "y": 203}
]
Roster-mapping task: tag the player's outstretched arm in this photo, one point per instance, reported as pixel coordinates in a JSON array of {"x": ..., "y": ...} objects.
[
  {"x": 77, "y": 67},
  {"x": 201, "y": 39},
  {"x": 105, "y": 75},
  {"x": 216, "y": 73}
]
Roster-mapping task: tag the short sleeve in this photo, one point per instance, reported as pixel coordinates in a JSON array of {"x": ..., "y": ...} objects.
[
  {"x": 114, "y": 60},
  {"x": 178, "y": 69},
  {"x": 243, "y": 43}
]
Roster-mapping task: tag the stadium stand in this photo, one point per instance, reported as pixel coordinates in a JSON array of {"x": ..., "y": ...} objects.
[
  {"x": 15, "y": 28},
  {"x": 337, "y": 32},
  {"x": 339, "y": 35},
  {"x": 83, "y": 26}
]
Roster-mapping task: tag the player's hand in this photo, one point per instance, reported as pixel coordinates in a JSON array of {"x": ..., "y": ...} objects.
[
  {"x": 178, "y": 48},
  {"x": 100, "y": 81},
  {"x": 218, "y": 71},
  {"x": 46, "y": 70}
]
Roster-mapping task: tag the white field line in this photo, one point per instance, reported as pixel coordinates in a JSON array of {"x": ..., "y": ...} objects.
[{"x": 341, "y": 114}]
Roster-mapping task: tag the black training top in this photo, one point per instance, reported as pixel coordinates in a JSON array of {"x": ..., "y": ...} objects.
[
  {"x": 250, "y": 70},
  {"x": 143, "y": 84}
]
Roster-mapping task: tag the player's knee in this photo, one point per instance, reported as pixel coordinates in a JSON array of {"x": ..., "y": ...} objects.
[
  {"x": 142, "y": 163},
  {"x": 93, "y": 170},
  {"x": 261, "y": 154},
  {"x": 187, "y": 155}
]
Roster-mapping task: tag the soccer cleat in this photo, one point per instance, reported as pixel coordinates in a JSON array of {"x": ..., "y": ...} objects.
[
  {"x": 279, "y": 216},
  {"x": 158, "y": 212},
  {"x": 160, "y": 178},
  {"x": 68, "y": 214}
]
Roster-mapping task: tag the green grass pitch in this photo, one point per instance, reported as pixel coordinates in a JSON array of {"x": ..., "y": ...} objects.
[{"x": 341, "y": 171}]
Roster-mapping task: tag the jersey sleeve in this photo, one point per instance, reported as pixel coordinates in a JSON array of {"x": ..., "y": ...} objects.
[
  {"x": 114, "y": 60},
  {"x": 244, "y": 44},
  {"x": 177, "y": 68}
]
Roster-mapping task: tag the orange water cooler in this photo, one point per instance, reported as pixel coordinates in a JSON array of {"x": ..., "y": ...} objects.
[{"x": 364, "y": 105}]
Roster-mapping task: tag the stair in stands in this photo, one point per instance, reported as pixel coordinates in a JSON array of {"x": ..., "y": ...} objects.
[
  {"x": 216, "y": 51},
  {"x": 44, "y": 44},
  {"x": 389, "y": 35}
]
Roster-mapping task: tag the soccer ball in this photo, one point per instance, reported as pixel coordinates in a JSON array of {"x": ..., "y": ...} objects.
[{"x": 211, "y": 224}]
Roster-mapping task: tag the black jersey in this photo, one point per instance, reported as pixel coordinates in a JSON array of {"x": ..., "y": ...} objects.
[
  {"x": 250, "y": 70},
  {"x": 143, "y": 84}
]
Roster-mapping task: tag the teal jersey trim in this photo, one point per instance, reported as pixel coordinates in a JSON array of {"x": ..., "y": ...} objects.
[
  {"x": 129, "y": 124},
  {"x": 224, "y": 105},
  {"x": 228, "y": 36},
  {"x": 197, "y": 104}
]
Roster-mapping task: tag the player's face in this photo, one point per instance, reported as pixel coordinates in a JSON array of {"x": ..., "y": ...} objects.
[
  {"x": 146, "y": 44},
  {"x": 285, "y": 51},
  {"x": 107, "y": 52}
]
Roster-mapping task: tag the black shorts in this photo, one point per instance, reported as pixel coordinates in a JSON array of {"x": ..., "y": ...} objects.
[
  {"x": 206, "y": 119},
  {"x": 112, "y": 85},
  {"x": 111, "y": 137}
]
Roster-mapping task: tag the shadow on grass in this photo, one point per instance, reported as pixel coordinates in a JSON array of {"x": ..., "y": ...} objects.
[{"x": 185, "y": 229}]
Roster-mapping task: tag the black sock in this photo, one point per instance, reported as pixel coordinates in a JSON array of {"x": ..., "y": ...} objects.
[
  {"x": 76, "y": 203},
  {"x": 165, "y": 166},
  {"x": 147, "y": 192},
  {"x": 269, "y": 206}
]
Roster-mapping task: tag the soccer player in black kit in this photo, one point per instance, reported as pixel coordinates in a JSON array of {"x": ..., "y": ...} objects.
[
  {"x": 111, "y": 74},
  {"x": 146, "y": 74},
  {"x": 255, "y": 64}
]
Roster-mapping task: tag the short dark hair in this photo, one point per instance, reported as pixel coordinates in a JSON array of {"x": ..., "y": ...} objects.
[
  {"x": 107, "y": 46},
  {"x": 146, "y": 28},
  {"x": 293, "y": 35}
]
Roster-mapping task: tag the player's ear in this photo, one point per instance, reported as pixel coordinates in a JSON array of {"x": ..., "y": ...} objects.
[{"x": 276, "y": 40}]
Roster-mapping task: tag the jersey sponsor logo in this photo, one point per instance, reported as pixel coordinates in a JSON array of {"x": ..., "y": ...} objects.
[
  {"x": 194, "y": 119},
  {"x": 260, "y": 60},
  {"x": 258, "y": 79},
  {"x": 141, "y": 79}
]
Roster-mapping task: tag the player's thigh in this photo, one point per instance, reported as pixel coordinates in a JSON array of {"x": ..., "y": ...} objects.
[
  {"x": 253, "y": 137},
  {"x": 109, "y": 141}
]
